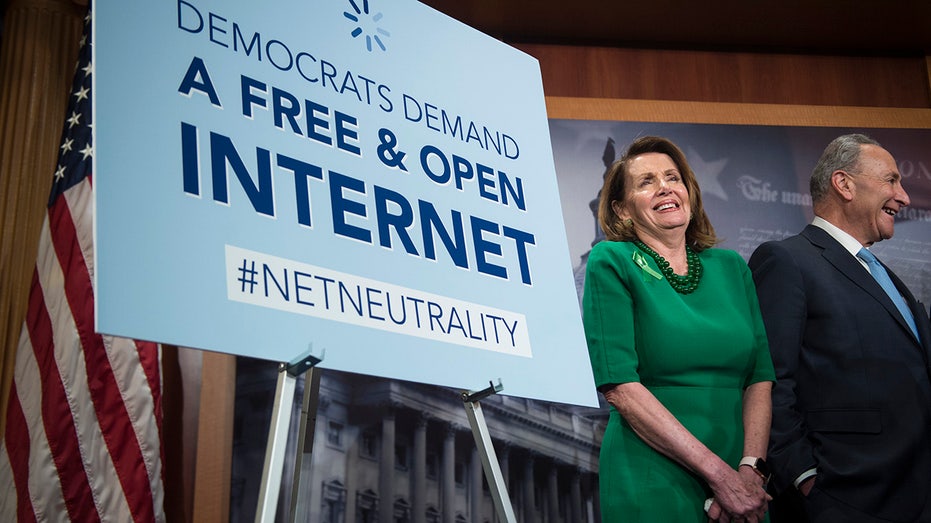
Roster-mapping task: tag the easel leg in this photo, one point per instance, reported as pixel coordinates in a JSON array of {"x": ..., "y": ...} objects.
[
  {"x": 275, "y": 448},
  {"x": 305, "y": 435},
  {"x": 278, "y": 435},
  {"x": 486, "y": 450}
]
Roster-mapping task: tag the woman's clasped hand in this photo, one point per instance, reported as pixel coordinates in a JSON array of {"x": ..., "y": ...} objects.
[{"x": 739, "y": 496}]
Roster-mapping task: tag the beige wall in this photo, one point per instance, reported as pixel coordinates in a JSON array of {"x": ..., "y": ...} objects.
[{"x": 734, "y": 77}]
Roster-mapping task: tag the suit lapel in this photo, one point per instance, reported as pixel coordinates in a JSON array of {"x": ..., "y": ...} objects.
[
  {"x": 917, "y": 308},
  {"x": 843, "y": 261},
  {"x": 924, "y": 327}
]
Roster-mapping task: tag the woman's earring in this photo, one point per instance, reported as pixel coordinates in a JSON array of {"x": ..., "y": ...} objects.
[{"x": 628, "y": 223}]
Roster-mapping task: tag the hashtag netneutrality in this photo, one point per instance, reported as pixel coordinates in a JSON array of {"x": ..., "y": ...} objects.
[{"x": 273, "y": 282}]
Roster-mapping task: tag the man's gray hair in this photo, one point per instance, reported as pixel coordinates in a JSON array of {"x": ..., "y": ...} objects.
[{"x": 842, "y": 154}]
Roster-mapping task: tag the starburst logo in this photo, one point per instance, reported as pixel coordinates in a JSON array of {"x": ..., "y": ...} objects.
[{"x": 367, "y": 25}]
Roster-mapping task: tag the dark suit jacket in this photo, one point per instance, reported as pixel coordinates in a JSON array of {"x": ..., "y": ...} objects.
[{"x": 852, "y": 394}]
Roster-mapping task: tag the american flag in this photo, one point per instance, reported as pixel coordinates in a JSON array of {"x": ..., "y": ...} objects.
[{"x": 83, "y": 437}]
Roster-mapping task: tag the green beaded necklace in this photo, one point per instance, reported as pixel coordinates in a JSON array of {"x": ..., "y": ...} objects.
[{"x": 682, "y": 284}]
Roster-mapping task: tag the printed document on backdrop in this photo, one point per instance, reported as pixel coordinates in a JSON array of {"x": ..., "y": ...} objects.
[{"x": 370, "y": 178}]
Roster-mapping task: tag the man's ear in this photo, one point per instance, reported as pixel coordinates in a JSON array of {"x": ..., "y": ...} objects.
[{"x": 843, "y": 184}]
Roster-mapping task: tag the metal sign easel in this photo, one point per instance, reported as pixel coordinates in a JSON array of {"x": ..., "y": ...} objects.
[
  {"x": 486, "y": 450},
  {"x": 278, "y": 433},
  {"x": 281, "y": 418}
]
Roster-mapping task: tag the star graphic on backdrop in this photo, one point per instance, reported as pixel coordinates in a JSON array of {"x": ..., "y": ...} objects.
[{"x": 707, "y": 174}]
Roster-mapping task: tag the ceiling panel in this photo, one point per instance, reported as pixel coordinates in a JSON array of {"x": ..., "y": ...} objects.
[{"x": 835, "y": 27}]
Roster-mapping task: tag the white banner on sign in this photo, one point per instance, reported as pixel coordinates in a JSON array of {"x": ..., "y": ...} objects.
[{"x": 287, "y": 285}]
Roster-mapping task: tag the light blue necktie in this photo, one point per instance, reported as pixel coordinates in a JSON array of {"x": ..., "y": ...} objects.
[{"x": 882, "y": 278}]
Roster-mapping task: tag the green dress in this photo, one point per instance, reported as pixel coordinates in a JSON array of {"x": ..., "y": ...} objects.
[{"x": 696, "y": 353}]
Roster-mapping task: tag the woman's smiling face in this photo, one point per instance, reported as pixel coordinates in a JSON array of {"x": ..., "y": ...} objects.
[{"x": 657, "y": 200}]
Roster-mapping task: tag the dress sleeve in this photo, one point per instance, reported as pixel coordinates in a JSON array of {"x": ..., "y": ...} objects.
[{"x": 608, "y": 318}]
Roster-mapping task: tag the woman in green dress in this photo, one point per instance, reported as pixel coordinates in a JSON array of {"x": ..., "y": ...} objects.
[{"x": 678, "y": 349}]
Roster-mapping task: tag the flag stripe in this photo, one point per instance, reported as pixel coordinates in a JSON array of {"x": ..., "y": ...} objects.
[
  {"x": 135, "y": 363},
  {"x": 18, "y": 463},
  {"x": 128, "y": 370},
  {"x": 93, "y": 455},
  {"x": 42, "y": 487},
  {"x": 111, "y": 411},
  {"x": 49, "y": 322},
  {"x": 150, "y": 361}
]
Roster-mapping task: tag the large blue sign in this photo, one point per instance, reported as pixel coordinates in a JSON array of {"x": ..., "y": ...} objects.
[{"x": 371, "y": 178}]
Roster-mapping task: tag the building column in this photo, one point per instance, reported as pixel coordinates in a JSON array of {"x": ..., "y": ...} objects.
[
  {"x": 527, "y": 487},
  {"x": 352, "y": 465},
  {"x": 386, "y": 468},
  {"x": 596, "y": 495},
  {"x": 553, "y": 493},
  {"x": 476, "y": 495},
  {"x": 419, "y": 478},
  {"x": 575, "y": 487},
  {"x": 449, "y": 475},
  {"x": 504, "y": 460}
]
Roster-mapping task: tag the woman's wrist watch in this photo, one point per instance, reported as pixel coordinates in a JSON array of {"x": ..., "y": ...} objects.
[{"x": 759, "y": 466}]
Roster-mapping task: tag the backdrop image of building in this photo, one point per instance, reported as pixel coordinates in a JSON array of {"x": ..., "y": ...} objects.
[{"x": 393, "y": 451}]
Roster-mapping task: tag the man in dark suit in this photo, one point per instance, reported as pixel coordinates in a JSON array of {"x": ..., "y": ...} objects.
[{"x": 851, "y": 431}]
